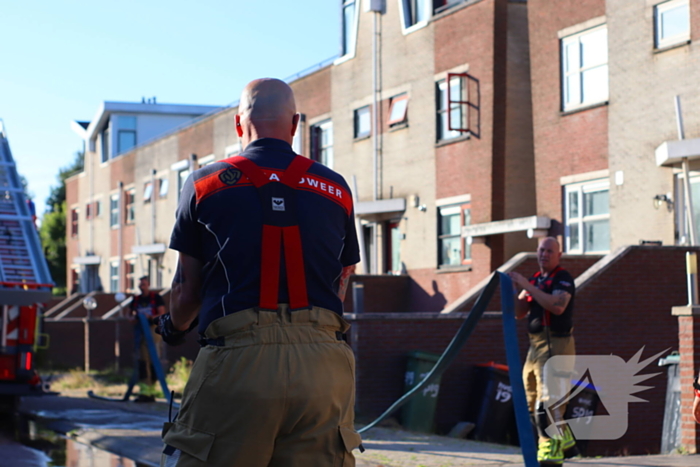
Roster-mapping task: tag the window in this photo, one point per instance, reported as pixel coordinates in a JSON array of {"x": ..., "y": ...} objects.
[
  {"x": 147, "y": 192},
  {"x": 585, "y": 68},
  {"x": 679, "y": 205},
  {"x": 93, "y": 210},
  {"x": 363, "y": 125},
  {"x": 232, "y": 150},
  {"x": 672, "y": 23},
  {"x": 129, "y": 199},
  {"x": 130, "y": 273},
  {"x": 349, "y": 26},
  {"x": 181, "y": 179},
  {"x": 114, "y": 211},
  {"x": 163, "y": 187},
  {"x": 587, "y": 217},
  {"x": 114, "y": 276},
  {"x": 453, "y": 122},
  {"x": 453, "y": 249},
  {"x": 393, "y": 249},
  {"x": 414, "y": 12},
  {"x": 74, "y": 214},
  {"x": 207, "y": 160},
  {"x": 442, "y": 5},
  {"x": 298, "y": 140},
  {"x": 322, "y": 143},
  {"x": 104, "y": 137},
  {"x": 126, "y": 135},
  {"x": 399, "y": 110}
]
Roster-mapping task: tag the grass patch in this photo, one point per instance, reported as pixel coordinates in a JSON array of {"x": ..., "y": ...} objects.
[{"x": 178, "y": 375}]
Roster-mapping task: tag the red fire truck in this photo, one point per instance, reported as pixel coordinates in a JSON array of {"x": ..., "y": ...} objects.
[{"x": 25, "y": 283}]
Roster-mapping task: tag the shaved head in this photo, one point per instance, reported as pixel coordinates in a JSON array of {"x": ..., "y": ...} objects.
[
  {"x": 267, "y": 110},
  {"x": 554, "y": 243},
  {"x": 267, "y": 99}
]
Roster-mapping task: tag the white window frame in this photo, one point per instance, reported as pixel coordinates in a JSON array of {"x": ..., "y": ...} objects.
[
  {"x": 320, "y": 151},
  {"x": 207, "y": 160},
  {"x": 130, "y": 276},
  {"x": 105, "y": 144},
  {"x": 114, "y": 276},
  {"x": 661, "y": 8},
  {"x": 462, "y": 209},
  {"x": 232, "y": 150},
  {"x": 442, "y": 90},
  {"x": 427, "y": 14},
  {"x": 590, "y": 186},
  {"x": 679, "y": 206},
  {"x": 148, "y": 191},
  {"x": 114, "y": 211},
  {"x": 130, "y": 208},
  {"x": 163, "y": 186},
  {"x": 402, "y": 119},
  {"x": 352, "y": 47},
  {"x": 580, "y": 102},
  {"x": 356, "y": 122}
]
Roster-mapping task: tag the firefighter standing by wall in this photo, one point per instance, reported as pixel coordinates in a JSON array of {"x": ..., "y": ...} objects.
[
  {"x": 547, "y": 299},
  {"x": 268, "y": 238},
  {"x": 151, "y": 305}
]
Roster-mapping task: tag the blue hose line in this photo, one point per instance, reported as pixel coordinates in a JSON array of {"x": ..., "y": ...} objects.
[
  {"x": 448, "y": 355},
  {"x": 155, "y": 361},
  {"x": 510, "y": 334}
]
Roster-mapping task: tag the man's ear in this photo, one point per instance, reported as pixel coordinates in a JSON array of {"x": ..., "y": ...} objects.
[
  {"x": 239, "y": 128},
  {"x": 295, "y": 123}
]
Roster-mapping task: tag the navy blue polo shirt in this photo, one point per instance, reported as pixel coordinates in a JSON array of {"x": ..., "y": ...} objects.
[
  {"x": 560, "y": 280},
  {"x": 219, "y": 222}
]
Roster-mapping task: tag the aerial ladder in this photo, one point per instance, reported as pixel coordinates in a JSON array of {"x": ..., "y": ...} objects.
[{"x": 25, "y": 282}]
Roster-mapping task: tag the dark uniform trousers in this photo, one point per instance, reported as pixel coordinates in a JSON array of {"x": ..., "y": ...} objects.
[{"x": 279, "y": 392}]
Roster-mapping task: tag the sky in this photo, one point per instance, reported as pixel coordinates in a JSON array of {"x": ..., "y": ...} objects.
[{"x": 59, "y": 59}]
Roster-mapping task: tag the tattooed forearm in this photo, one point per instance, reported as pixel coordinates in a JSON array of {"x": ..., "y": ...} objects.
[{"x": 344, "y": 281}]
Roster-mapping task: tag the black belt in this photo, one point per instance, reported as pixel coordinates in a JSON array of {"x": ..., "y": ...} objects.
[
  {"x": 221, "y": 341},
  {"x": 555, "y": 334},
  {"x": 560, "y": 334}
]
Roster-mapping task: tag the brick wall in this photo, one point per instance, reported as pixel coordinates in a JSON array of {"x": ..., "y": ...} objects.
[
  {"x": 196, "y": 139},
  {"x": 564, "y": 144},
  {"x": 625, "y": 307},
  {"x": 689, "y": 340}
]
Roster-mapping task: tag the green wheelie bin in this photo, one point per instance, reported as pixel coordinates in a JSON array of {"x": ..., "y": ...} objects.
[{"x": 419, "y": 413}]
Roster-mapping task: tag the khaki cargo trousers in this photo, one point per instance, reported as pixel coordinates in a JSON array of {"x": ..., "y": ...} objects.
[
  {"x": 559, "y": 381},
  {"x": 279, "y": 392}
]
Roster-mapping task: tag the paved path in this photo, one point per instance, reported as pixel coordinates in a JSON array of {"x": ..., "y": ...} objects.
[{"x": 132, "y": 430}]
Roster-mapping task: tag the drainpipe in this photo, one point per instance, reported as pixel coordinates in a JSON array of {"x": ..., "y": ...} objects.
[
  {"x": 120, "y": 239},
  {"x": 153, "y": 226},
  {"x": 375, "y": 109},
  {"x": 690, "y": 214},
  {"x": 376, "y": 89},
  {"x": 153, "y": 206},
  {"x": 92, "y": 201}
]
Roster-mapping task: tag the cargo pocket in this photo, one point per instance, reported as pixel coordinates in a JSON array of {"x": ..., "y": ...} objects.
[
  {"x": 351, "y": 439},
  {"x": 192, "y": 442}
]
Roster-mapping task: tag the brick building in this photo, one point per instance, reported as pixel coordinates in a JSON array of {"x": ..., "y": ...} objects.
[
  {"x": 450, "y": 145},
  {"x": 497, "y": 121}
]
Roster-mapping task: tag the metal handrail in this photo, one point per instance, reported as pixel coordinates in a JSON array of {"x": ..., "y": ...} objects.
[{"x": 119, "y": 307}]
